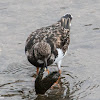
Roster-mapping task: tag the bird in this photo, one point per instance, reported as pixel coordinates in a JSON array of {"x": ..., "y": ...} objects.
[{"x": 48, "y": 45}]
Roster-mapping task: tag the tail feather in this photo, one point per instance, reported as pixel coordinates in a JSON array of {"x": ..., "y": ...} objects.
[
  {"x": 66, "y": 21},
  {"x": 67, "y": 16},
  {"x": 67, "y": 24}
]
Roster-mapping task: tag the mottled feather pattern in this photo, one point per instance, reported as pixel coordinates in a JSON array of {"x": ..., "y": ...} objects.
[
  {"x": 42, "y": 49},
  {"x": 55, "y": 36}
]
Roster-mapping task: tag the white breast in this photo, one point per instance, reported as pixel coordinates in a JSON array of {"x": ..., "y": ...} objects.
[{"x": 60, "y": 55}]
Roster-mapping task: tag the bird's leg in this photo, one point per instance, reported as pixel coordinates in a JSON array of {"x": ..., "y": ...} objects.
[
  {"x": 56, "y": 83},
  {"x": 60, "y": 71},
  {"x": 47, "y": 71},
  {"x": 37, "y": 70},
  {"x": 59, "y": 68}
]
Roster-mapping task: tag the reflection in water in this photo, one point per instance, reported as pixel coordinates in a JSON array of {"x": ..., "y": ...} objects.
[{"x": 18, "y": 83}]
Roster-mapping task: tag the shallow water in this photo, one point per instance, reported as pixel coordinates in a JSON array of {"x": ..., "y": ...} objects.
[{"x": 80, "y": 77}]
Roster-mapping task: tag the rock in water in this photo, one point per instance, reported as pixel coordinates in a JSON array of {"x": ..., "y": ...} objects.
[{"x": 42, "y": 85}]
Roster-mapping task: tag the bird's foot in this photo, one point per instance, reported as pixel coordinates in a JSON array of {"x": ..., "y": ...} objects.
[
  {"x": 38, "y": 70},
  {"x": 56, "y": 83},
  {"x": 46, "y": 70}
]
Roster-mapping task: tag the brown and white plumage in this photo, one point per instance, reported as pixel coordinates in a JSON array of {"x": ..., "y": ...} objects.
[{"x": 49, "y": 45}]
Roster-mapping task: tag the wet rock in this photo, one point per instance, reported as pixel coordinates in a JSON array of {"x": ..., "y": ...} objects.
[{"x": 42, "y": 85}]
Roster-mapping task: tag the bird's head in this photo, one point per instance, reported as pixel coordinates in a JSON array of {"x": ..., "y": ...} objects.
[
  {"x": 66, "y": 21},
  {"x": 42, "y": 52}
]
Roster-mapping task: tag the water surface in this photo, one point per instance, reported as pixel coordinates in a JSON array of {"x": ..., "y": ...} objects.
[{"x": 80, "y": 76}]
